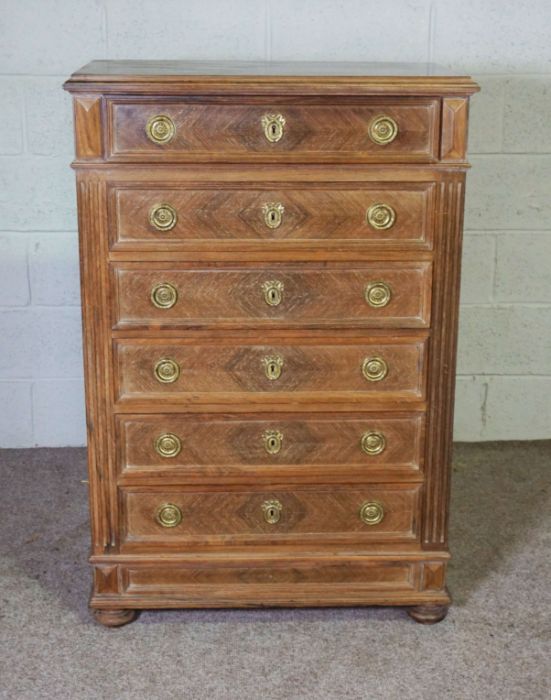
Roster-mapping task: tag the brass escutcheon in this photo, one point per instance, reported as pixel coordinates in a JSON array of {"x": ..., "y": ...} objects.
[
  {"x": 168, "y": 515},
  {"x": 273, "y": 214},
  {"x": 378, "y": 294},
  {"x": 383, "y": 130},
  {"x": 272, "y": 441},
  {"x": 273, "y": 127},
  {"x": 164, "y": 295},
  {"x": 163, "y": 217},
  {"x": 373, "y": 443},
  {"x": 168, "y": 445},
  {"x": 381, "y": 216},
  {"x": 273, "y": 292},
  {"x": 166, "y": 371},
  {"x": 272, "y": 511},
  {"x": 273, "y": 365},
  {"x": 371, "y": 512},
  {"x": 160, "y": 129},
  {"x": 374, "y": 369}
]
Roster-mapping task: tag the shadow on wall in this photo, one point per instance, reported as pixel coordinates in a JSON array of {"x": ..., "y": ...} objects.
[{"x": 500, "y": 498}]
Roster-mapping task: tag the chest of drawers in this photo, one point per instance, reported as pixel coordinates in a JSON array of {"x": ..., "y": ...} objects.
[{"x": 270, "y": 270}]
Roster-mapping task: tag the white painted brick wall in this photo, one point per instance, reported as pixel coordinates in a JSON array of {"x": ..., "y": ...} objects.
[{"x": 504, "y": 368}]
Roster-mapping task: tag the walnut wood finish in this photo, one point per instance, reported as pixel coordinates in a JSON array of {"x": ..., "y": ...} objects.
[
  {"x": 232, "y": 448},
  {"x": 312, "y": 132},
  {"x": 325, "y": 172},
  {"x": 224, "y": 216},
  {"x": 231, "y": 370},
  {"x": 212, "y": 518},
  {"x": 316, "y": 297}
]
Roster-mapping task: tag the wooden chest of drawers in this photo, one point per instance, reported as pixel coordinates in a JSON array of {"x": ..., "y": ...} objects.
[{"x": 270, "y": 270}]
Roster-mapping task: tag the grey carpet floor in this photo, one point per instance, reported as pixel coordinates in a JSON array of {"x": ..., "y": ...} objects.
[{"x": 495, "y": 643}]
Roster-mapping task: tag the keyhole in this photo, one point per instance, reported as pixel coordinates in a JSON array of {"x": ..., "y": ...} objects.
[
  {"x": 273, "y": 129},
  {"x": 272, "y": 513},
  {"x": 272, "y": 216},
  {"x": 272, "y": 369},
  {"x": 273, "y": 295},
  {"x": 272, "y": 443}
]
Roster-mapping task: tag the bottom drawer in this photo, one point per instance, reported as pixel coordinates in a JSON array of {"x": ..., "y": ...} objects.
[{"x": 334, "y": 514}]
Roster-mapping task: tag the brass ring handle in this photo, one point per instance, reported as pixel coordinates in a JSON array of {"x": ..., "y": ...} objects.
[
  {"x": 371, "y": 512},
  {"x": 168, "y": 515},
  {"x": 273, "y": 440},
  {"x": 378, "y": 294},
  {"x": 273, "y": 214},
  {"x": 273, "y": 365},
  {"x": 166, "y": 371},
  {"x": 374, "y": 369},
  {"x": 164, "y": 295},
  {"x": 383, "y": 130},
  {"x": 160, "y": 129},
  {"x": 273, "y": 125},
  {"x": 273, "y": 292},
  {"x": 381, "y": 216},
  {"x": 168, "y": 445},
  {"x": 163, "y": 217},
  {"x": 272, "y": 511},
  {"x": 373, "y": 442}
]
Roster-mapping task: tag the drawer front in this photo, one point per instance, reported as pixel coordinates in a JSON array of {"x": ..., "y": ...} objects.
[
  {"x": 176, "y": 517},
  {"x": 399, "y": 131},
  {"x": 383, "y": 294},
  {"x": 218, "y": 446},
  {"x": 225, "y": 370},
  {"x": 373, "y": 215}
]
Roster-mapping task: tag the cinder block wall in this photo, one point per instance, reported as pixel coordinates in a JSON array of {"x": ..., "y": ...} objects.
[{"x": 504, "y": 372}]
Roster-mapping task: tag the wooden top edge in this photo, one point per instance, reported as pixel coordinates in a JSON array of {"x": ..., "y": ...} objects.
[{"x": 129, "y": 76}]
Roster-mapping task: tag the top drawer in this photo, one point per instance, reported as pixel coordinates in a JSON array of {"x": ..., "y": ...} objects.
[{"x": 404, "y": 130}]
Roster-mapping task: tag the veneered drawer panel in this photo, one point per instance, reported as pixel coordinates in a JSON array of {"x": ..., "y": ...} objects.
[
  {"x": 231, "y": 370},
  {"x": 263, "y": 579},
  {"x": 274, "y": 447},
  {"x": 391, "y": 215},
  {"x": 195, "y": 130},
  {"x": 380, "y": 294},
  {"x": 210, "y": 517}
]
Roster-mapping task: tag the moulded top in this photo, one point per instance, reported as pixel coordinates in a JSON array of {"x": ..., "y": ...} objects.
[{"x": 264, "y": 76}]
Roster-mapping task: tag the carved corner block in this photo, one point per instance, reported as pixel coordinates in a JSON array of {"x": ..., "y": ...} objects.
[
  {"x": 106, "y": 580},
  {"x": 88, "y": 127}
]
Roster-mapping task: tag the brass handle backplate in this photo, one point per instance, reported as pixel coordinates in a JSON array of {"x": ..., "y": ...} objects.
[
  {"x": 378, "y": 294},
  {"x": 168, "y": 515},
  {"x": 164, "y": 295},
  {"x": 273, "y": 440},
  {"x": 273, "y": 366},
  {"x": 383, "y": 130},
  {"x": 273, "y": 125},
  {"x": 273, "y": 214},
  {"x": 167, "y": 371},
  {"x": 374, "y": 369},
  {"x": 372, "y": 513},
  {"x": 373, "y": 442},
  {"x": 272, "y": 511},
  {"x": 381, "y": 216},
  {"x": 273, "y": 292},
  {"x": 163, "y": 217},
  {"x": 160, "y": 129},
  {"x": 168, "y": 445}
]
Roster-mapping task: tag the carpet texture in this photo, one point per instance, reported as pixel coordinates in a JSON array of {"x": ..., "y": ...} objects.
[{"x": 495, "y": 642}]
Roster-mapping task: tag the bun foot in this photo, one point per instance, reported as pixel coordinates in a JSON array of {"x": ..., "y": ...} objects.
[
  {"x": 114, "y": 618},
  {"x": 428, "y": 614}
]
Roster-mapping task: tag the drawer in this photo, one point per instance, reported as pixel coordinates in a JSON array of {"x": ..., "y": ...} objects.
[
  {"x": 368, "y": 130},
  {"x": 199, "y": 217},
  {"x": 276, "y": 446},
  {"x": 228, "y": 370},
  {"x": 177, "y": 517},
  {"x": 383, "y": 294}
]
